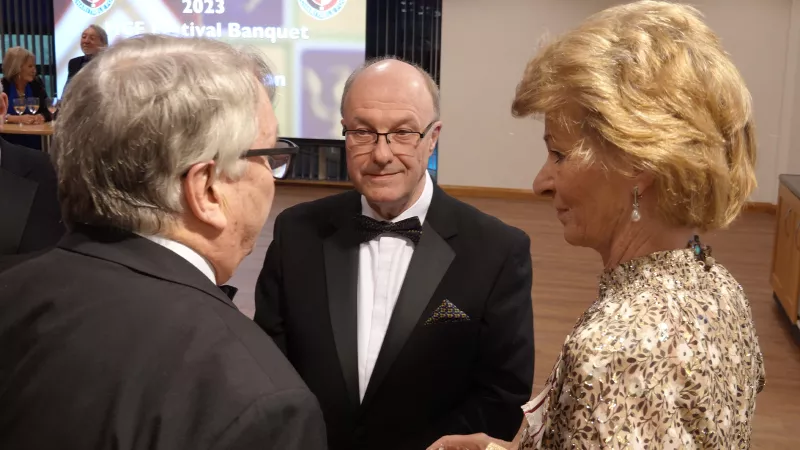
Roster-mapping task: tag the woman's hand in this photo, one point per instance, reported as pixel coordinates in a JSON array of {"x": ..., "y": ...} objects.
[
  {"x": 25, "y": 120},
  {"x": 38, "y": 119},
  {"x": 478, "y": 441}
]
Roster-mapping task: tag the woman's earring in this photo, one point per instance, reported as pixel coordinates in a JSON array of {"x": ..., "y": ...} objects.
[{"x": 635, "y": 215}]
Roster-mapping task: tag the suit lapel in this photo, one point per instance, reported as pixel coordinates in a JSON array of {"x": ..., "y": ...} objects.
[
  {"x": 340, "y": 253},
  {"x": 431, "y": 259}
]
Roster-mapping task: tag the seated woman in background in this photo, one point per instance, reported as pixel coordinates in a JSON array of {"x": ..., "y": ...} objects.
[
  {"x": 650, "y": 139},
  {"x": 20, "y": 81}
]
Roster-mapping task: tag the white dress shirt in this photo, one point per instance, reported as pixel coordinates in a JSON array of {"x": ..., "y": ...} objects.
[
  {"x": 382, "y": 266},
  {"x": 186, "y": 253}
]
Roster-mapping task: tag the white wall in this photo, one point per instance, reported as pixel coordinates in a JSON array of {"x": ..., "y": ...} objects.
[
  {"x": 486, "y": 44},
  {"x": 789, "y": 146},
  {"x": 756, "y": 34}
]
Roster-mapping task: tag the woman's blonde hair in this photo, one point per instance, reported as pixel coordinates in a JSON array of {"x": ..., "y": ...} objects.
[
  {"x": 13, "y": 61},
  {"x": 654, "y": 82}
]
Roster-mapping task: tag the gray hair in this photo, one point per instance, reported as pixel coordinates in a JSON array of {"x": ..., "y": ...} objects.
[
  {"x": 142, "y": 114},
  {"x": 430, "y": 83},
  {"x": 13, "y": 61},
  {"x": 101, "y": 33}
]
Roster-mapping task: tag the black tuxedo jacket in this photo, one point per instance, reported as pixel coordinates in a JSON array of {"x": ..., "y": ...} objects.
[
  {"x": 111, "y": 341},
  {"x": 31, "y": 216},
  {"x": 74, "y": 66},
  {"x": 430, "y": 379}
]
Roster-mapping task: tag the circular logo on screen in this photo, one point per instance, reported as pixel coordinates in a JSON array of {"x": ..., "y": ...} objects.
[
  {"x": 93, "y": 7},
  {"x": 322, "y": 9}
]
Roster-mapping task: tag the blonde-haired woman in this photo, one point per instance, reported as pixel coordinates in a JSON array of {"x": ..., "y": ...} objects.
[
  {"x": 650, "y": 139},
  {"x": 20, "y": 81}
]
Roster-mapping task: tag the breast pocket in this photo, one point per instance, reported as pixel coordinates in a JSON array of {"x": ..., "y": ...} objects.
[{"x": 447, "y": 342}]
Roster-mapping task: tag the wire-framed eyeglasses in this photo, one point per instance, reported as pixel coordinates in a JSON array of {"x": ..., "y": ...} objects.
[
  {"x": 278, "y": 157},
  {"x": 398, "y": 138}
]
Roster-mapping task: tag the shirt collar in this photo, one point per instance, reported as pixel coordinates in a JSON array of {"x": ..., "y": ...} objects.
[
  {"x": 187, "y": 253},
  {"x": 418, "y": 209}
]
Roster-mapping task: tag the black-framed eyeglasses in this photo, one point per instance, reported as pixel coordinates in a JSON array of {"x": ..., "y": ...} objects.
[
  {"x": 278, "y": 157},
  {"x": 401, "y": 138}
]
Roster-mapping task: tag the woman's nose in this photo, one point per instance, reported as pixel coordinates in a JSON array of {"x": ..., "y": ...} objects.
[{"x": 543, "y": 184}]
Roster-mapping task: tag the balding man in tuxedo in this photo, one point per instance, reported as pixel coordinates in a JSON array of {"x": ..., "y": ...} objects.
[{"x": 406, "y": 311}]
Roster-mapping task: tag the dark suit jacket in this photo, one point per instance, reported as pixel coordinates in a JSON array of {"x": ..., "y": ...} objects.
[
  {"x": 429, "y": 380},
  {"x": 39, "y": 91},
  {"x": 112, "y": 341},
  {"x": 74, "y": 66},
  {"x": 28, "y": 201}
]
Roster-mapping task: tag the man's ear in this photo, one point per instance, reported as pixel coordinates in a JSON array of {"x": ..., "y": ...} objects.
[
  {"x": 435, "y": 130},
  {"x": 203, "y": 197}
]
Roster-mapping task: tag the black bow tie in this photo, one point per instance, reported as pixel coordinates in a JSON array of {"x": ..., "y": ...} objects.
[
  {"x": 369, "y": 228},
  {"x": 230, "y": 291}
]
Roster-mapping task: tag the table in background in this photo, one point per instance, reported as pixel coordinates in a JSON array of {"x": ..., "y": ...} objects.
[
  {"x": 44, "y": 130},
  {"x": 785, "y": 276}
]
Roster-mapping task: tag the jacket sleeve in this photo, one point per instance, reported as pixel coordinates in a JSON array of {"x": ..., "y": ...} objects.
[
  {"x": 286, "y": 420},
  {"x": 41, "y": 92}
]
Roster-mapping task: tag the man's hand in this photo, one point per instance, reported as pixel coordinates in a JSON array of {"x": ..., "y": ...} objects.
[{"x": 478, "y": 441}]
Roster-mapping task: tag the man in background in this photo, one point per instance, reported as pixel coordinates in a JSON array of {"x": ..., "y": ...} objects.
[
  {"x": 121, "y": 337},
  {"x": 28, "y": 198},
  {"x": 93, "y": 39},
  {"x": 406, "y": 311}
]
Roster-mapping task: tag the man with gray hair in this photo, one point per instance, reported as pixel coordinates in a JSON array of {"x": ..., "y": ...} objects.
[
  {"x": 93, "y": 39},
  {"x": 121, "y": 337}
]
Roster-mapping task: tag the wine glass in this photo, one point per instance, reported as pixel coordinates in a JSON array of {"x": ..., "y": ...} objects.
[
  {"x": 19, "y": 107},
  {"x": 52, "y": 105},
  {"x": 33, "y": 104}
]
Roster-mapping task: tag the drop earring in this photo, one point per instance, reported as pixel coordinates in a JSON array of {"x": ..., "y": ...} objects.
[{"x": 635, "y": 215}]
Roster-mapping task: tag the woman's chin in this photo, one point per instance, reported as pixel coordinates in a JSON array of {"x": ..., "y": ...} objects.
[{"x": 571, "y": 237}]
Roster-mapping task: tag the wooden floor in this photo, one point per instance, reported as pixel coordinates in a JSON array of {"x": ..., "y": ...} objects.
[{"x": 565, "y": 283}]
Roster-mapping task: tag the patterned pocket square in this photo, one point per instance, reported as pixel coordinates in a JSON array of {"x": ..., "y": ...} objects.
[{"x": 447, "y": 312}]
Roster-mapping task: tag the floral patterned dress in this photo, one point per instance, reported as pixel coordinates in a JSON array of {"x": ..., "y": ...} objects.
[{"x": 666, "y": 358}]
